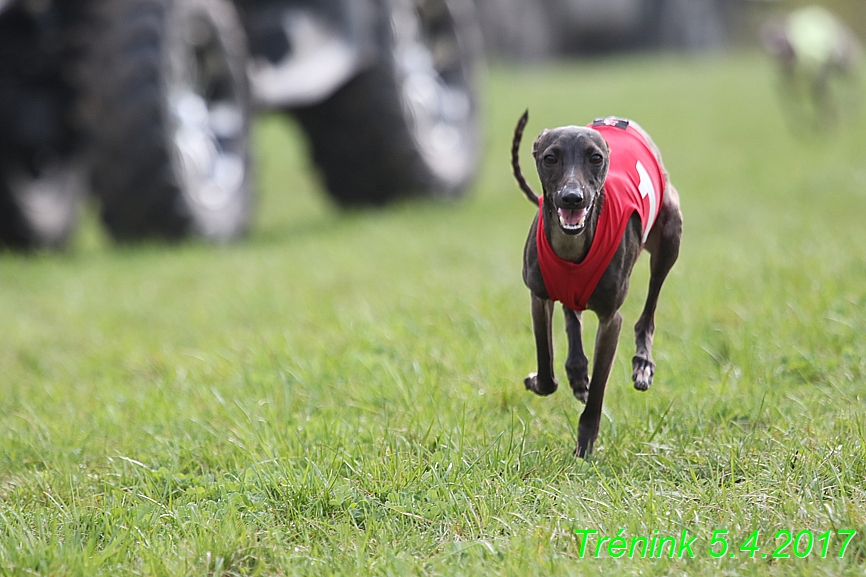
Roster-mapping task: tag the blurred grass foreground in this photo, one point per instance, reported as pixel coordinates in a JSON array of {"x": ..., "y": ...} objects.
[{"x": 341, "y": 394}]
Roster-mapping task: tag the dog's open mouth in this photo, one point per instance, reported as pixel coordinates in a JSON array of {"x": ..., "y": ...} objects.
[{"x": 572, "y": 221}]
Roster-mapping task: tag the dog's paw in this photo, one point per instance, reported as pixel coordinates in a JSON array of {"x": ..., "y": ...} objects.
[
  {"x": 579, "y": 381},
  {"x": 586, "y": 436},
  {"x": 581, "y": 392},
  {"x": 540, "y": 386},
  {"x": 642, "y": 373}
]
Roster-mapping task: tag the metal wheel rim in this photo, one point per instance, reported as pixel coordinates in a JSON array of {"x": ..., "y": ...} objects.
[
  {"x": 206, "y": 116},
  {"x": 434, "y": 87}
]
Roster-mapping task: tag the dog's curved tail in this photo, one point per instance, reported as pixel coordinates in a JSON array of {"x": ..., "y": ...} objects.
[{"x": 515, "y": 159}]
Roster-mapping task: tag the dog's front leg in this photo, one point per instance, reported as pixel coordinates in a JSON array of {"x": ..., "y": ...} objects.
[
  {"x": 576, "y": 365},
  {"x": 605, "y": 350},
  {"x": 542, "y": 382}
]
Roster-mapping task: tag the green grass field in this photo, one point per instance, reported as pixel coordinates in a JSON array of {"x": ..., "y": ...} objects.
[{"x": 341, "y": 394}]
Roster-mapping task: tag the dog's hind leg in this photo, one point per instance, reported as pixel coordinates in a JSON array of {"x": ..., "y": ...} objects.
[
  {"x": 605, "y": 350},
  {"x": 576, "y": 365},
  {"x": 664, "y": 246},
  {"x": 543, "y": 382}
]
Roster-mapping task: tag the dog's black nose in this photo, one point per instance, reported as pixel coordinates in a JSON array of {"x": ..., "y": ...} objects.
[{"x": 571, "y": 198}]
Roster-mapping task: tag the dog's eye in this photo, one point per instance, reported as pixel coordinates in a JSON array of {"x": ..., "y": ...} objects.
[
  {"x": 595, "y": 159},
  {"x": 549, "y": 159}
]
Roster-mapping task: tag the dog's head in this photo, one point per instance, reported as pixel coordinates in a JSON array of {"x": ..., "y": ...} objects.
[{"x": 572, "y": 163}]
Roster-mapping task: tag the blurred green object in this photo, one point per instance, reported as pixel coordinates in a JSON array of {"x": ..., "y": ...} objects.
[
  {"x": 817, "y": 37},
  {"x": 819, "y": 59}
]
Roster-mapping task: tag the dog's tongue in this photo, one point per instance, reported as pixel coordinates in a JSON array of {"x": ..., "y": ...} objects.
[{"x": 572, "y": 217}]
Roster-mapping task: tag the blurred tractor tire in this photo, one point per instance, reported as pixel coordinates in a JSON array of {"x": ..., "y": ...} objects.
[
  {"x": 408, "y": 124},
  {"x": 41, "y": 179},
  {"x": 39, "y": 210},
  {"x": 169, "y": 115}
]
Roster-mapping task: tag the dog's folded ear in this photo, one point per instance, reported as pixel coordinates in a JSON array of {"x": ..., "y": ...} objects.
[{"x": 535, "y": 144}]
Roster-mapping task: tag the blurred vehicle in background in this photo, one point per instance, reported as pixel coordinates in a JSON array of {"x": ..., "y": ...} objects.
[
  {"x": 148, "y": 104},
  {"x": 42, "y": 177},
  {"x": 536, "y": 29}
]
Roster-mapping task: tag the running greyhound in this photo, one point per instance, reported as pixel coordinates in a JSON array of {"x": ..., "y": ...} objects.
[{"x": 606, "y": 195}]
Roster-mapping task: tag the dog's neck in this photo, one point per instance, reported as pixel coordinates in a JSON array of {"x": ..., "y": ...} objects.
[{"x": 571, "y": 247}]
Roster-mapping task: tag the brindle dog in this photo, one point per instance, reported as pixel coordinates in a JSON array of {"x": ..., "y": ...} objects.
[{"x": 572, "y": 164}]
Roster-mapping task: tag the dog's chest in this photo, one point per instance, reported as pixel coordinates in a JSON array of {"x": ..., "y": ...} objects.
[{"x": 635, "y": 184}]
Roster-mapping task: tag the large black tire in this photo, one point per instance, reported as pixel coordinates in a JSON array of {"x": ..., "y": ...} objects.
[
  {"x": 41, "y": 183},
  {"x": 169, "y": 111},
  {"x": 408, "y": 124}
]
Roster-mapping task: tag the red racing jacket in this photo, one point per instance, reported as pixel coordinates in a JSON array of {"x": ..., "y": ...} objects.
[{"x": 635, "y": 183}]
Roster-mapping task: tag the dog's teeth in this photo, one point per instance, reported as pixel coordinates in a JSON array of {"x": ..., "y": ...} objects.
[{"x": 582, "y": 220}]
